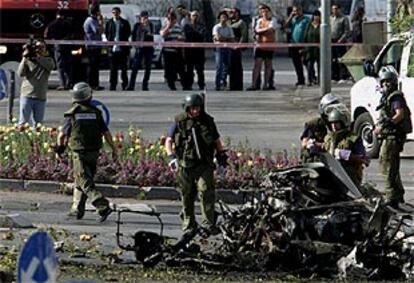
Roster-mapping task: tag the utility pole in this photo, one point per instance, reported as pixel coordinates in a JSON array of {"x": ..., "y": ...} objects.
[
  {"x": 391, "y": 6},
  {"x": 325, "y": 48}
]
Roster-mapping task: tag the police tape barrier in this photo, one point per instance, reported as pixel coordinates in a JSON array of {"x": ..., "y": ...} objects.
[{"x": 178, "y": 44}]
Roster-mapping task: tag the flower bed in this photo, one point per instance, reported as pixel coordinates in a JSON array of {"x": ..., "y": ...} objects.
[{"x": 28, "y": 154}]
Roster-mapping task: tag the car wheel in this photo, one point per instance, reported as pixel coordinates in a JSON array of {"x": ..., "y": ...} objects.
[{"x": 363, "y": 127}]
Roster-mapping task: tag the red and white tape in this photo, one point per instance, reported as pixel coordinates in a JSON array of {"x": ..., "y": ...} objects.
[{"x": 178, "y": 44}]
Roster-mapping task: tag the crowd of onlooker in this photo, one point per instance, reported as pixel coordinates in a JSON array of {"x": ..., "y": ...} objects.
[{"x": 182, "y": 64}]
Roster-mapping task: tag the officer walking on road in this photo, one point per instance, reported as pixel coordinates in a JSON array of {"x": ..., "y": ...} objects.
[
  {"x": 82, "y": 131},
  {"x": 315, "y": 130},
  {"x": 196, "y": 139},
  {"x": 392, "y": 128}
]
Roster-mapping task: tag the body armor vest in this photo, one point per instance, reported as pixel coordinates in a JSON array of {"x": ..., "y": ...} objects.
[
  {"x": 346, "y": 141},
  {"x": 86, "y": 132},
  {"x": 194, "y": 140},
  {"x": 402, "y": 128}
]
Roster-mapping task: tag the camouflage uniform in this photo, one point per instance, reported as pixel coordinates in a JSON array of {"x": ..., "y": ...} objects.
[
  {"x": 393, "y": 139},
  {"x": 315, "y": 129},
  {"x": 196, "y": 169},
  {"x": 85, "y": 140},
  {"x": 345, "y": 139}
]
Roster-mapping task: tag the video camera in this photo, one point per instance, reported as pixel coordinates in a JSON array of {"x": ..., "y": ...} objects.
[{"x": 29, "y": 49}]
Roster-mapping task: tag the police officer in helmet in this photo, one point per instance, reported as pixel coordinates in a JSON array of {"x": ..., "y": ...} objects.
[
  {"x": 393, "y": 126},
  {"x": 196, "y": 141},
  {"x": 315, "y": 129},
  {"x": 343, "y": 144},
  {"x": 82, "y": 132}
]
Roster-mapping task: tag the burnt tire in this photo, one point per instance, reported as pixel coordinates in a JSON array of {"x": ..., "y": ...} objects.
[{"x": 363, "y": 127}]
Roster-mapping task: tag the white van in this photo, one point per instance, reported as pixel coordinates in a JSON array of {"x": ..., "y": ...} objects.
[{"x": 365, "y": 93}]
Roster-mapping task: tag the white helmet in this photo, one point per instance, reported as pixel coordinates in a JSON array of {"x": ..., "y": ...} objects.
[
  {"x": 327, "y": 99},
  {"x": 81, "y": 92}
]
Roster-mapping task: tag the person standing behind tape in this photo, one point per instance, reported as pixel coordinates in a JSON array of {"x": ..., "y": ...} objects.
[
  {"x": 83, "y": 130},
  {"x": 340, "y": 32},
  {"x": 392, "y": 128},
  {"x": 118, "y": 29},
  {"x": 93, "y": 28},
  {"x": 297, "y": 23},
  {"x": 240, "y": 33},
  {"x": 256, "y": 38},
  {"x": 222, "y": 33},
  {"x": 173, "y": 56},
  {"x": 312, "y": 35},
  {"x": 194, "y": 31},
  {"x": 61, "y": 29},
  {"x": 34, "y": 69},
  {"x": 143, "y": 31},
  {"x": 265, "y": 30},
  {"x": 191, "y": 144}
]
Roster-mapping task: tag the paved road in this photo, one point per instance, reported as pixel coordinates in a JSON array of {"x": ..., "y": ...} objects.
[{"x": 266, "y": 119}]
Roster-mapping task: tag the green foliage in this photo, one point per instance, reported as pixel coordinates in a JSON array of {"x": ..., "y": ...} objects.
[{"x": 402, "y": 24}]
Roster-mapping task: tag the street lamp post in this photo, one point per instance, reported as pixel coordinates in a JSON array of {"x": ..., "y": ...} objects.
[{"x": 325, "y": 49}]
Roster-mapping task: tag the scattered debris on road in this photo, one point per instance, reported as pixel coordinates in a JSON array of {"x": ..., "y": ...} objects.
[{"x": 308, "y": 220}]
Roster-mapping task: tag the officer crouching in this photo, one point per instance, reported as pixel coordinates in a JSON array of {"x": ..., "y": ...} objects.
[
  {"x": 82, "y": 131},
  {"x": 196, "y": 139},
  {"x": 392, "y": 128}
]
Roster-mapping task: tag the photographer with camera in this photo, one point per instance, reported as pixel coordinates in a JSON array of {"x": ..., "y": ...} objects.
[{"x": 34, "y": 69}]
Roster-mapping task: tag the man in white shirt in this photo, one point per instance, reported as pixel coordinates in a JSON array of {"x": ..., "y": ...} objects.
[{"x": 222, "y": 32}]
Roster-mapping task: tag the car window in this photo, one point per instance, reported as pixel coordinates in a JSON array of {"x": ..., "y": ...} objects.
[
  {"x": 410, "y": 71},
  {"x": 392, "y": 56},
  {"x": 157, "y": 25}
]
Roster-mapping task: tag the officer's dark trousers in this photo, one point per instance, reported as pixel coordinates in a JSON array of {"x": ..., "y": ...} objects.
[
  {"x": 94, "y": 58},
  {"x": 64, "y": 65},
  {"x": 145, "y": 55},
  {"x": 390, "y": 169},
  {"x": 339, "y": 71},
  {"x": 173, "y": 65},
  {"x": 84, "y": 169},
  {"x": 118, "y": 61},
  {"x": 192, "y": 180},
  {"x": 236, "y": 70},
  {"x": 295, "y": 54},
  {"x": 194, "y": 59}
]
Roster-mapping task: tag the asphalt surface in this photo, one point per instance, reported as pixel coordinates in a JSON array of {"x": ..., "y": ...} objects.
[{"x": 263, "y": 119}]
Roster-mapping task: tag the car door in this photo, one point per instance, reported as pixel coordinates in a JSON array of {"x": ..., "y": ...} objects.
[{"x": 407, "y": 78}]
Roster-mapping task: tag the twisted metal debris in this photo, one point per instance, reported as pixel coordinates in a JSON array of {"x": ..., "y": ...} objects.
[{"x": 308, "y": 220}]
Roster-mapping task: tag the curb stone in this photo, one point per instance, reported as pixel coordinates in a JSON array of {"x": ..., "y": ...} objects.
[
  {"x": 42, "y": 186},
  {"x": 11, "y": 184},
  {"x": 110, "y": 190},
  {"x": 168, "y": 193}
]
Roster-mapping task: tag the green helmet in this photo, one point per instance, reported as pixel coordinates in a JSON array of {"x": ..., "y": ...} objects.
[
  {"x": 327, "y": 99},
  {"x": 194, "y": 99},
  {"x": 81, "y": 92},
  {"x": 340, "y": 114},
  {"x": 388, "y": 73}
]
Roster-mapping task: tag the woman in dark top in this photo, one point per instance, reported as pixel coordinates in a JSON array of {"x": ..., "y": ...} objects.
[{"x": 312, "y": 35}]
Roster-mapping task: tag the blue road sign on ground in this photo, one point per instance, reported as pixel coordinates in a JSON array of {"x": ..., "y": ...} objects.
[
  {"x": 3, "y": 84},
  {"x": 104, "y": 109},
  {"x": 37, "y": 261}
]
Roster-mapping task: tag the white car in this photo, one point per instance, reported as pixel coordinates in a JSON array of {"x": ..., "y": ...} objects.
[
  {"x": 365, "y": 94},
  {"x": 131, "y": 12}
]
